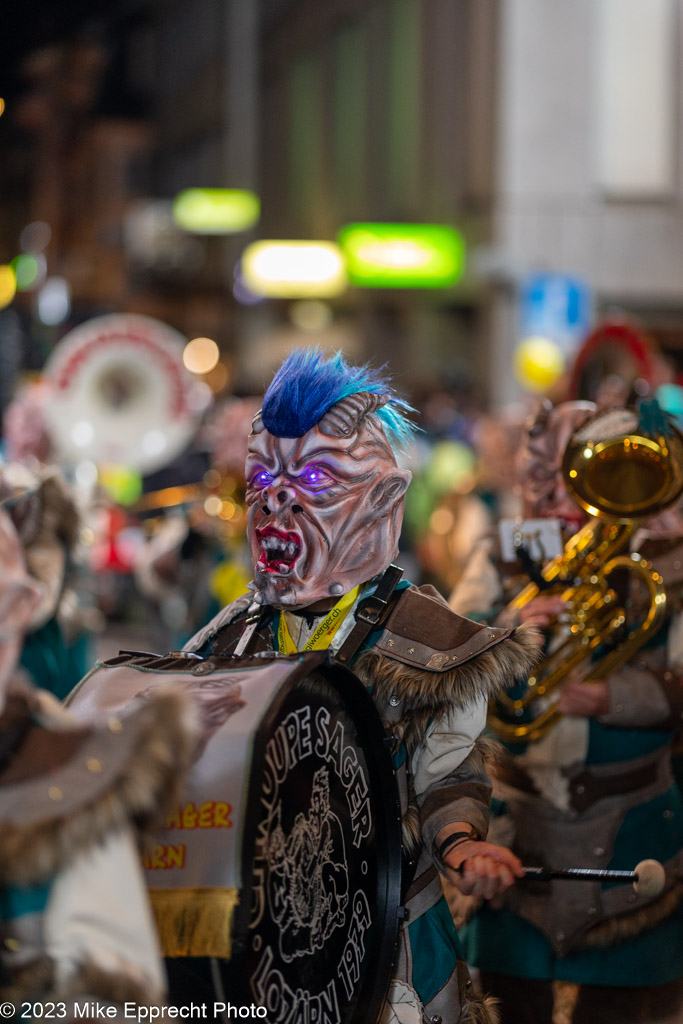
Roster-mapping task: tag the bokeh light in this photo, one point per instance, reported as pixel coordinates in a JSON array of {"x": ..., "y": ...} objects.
[
  {"x": 211, "y": 478},
  {"x": 54, "y": 301},
  {"x": 228, "y": 509},
  {"x": 216, "y": 211},
  {"x": 294, "y": 269},
  {"x": 35, "y": 237},
  {"x": 310, "y": 315},
  {"x": 86, "y": 473},
  {"x": 402, "y": 255},
  {"x": 121, "y": 483},
  {"x": 201, "y": 355},
  {"x": 213, "y": 505},
  {"x": 8, "y": 285},
  {"x": 29, "y": 271},
  {"x": 199, "y": 397},
  {"x": 539, "y": 362},
  {"x": 218, "y": 378},
  {"x": 450, "y": 467},
  {"x": 442, "y": 521},
  {"x": 239, "y": 289}
]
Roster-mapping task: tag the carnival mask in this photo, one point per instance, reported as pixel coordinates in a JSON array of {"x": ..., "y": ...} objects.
[
  {"x": 539, "y": 463},
  {"x": 325, "y": 508},
  {"x": 19, "y": 595}
]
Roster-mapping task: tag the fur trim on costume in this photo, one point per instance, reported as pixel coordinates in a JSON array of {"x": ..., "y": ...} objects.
[
  {"x": 34, "y": 979},
  {"x": 492, "y": 751},
  {"x": 142, "y": 795},
  {"x": 48, "y": 522},
  {"x": 427, "y": 695},
  {"x": 462, "y": 907},
  {"x": 117, "y": 988},
  {"x": 88, "y": 982},
  {"x": 627, "y": 926},
  {"x": 61, "y": 517},
  {"x": 480, "y": 1011},
  {"x": 42, "y": 505},
  {"x": 411, "y": 831}
]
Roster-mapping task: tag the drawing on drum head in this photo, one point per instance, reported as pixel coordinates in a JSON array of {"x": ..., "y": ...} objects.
[{"x": 308, "y": 882}]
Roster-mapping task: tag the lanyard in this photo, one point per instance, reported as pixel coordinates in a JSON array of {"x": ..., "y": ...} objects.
[{"x": 322, "y": 638}]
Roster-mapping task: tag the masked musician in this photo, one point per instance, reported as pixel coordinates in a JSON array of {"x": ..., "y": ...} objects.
[
  {"x": 75, "y": 921},
  {"x": 596, "y": 791},
  {"x": 43, "y": 510},
  {"x": 325, "y": 498}
]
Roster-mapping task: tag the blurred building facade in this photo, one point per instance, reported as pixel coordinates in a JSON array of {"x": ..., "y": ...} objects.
[
  {"x": 523, "y": 124},
  {"x": 548, "y": 133}
]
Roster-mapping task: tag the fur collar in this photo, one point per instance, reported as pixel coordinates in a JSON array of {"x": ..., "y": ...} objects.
[
  {"x": 425, "y": 695},
  {"x": 98, "y": 779}
]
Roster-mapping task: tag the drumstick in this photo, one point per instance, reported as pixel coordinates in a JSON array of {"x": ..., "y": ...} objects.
[{"x": 648, "y": 877}]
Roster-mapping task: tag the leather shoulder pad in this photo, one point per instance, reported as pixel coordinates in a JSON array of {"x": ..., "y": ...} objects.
[{"x": 423, "y": 631}]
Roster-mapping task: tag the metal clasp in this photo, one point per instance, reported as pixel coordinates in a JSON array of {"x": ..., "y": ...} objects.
[{"x": 370, "y": 610}]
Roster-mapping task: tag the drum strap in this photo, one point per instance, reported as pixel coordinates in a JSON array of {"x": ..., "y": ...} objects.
[
  {"x": 369, "y": 613},
  {"x": 252, "y": 620}
]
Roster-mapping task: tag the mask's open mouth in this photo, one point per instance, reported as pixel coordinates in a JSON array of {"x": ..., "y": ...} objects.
[{"x": 279, "y": 551}]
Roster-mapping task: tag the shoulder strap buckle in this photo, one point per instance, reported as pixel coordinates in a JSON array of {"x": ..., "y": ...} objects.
[
  {"x": 371, "y": 608},
  {"x": 369, "y": 612}
]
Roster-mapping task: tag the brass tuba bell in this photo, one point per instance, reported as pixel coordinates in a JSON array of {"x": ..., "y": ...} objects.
[{"x": 621, "y": 466}]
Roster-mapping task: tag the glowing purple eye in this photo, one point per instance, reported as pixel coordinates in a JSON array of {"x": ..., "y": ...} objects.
[
  {"x": 313, "y": 476},
  {"x": 262, "y": 479}
]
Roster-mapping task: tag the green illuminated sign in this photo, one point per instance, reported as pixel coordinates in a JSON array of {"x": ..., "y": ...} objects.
[
  {"x": 402, "y": 255},
  {"x": 216, "y": 211}
]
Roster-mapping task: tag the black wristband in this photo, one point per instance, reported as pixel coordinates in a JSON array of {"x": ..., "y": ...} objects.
[{"x": 455, "y": 838}]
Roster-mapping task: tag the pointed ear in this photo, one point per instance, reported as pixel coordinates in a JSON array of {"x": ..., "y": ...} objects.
[{"x": 389, "y": 489}]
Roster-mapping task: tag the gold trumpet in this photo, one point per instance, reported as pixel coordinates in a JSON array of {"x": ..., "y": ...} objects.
[{"x": 620, "y": 472}]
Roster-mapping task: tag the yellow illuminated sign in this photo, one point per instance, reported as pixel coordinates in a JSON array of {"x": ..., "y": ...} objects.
[
  {"x": 294, "y": 269},
  {"x": 216, "y": 211}
]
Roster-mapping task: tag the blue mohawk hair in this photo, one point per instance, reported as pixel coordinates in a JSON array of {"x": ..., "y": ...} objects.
[{"x": 307, "y": 385}]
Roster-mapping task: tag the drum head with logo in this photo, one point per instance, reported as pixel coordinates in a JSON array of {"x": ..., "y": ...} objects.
[{"x": 316, "y": 939}]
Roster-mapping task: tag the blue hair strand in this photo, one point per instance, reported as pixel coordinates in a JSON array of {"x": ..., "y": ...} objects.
[{"x": 307, "y": 385}]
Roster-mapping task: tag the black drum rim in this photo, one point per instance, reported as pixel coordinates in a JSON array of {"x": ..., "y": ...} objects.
[{"x": 385, "y": 802}]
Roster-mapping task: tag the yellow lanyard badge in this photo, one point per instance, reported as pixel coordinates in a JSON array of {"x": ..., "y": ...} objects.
[{"x": 324, "y": 634}]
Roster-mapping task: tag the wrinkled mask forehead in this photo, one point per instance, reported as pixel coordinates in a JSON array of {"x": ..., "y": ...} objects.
[
  {"x": 324, "y": 511},
  {"x": 361, "y": 456},
  {"x": 539, "y": 463}
]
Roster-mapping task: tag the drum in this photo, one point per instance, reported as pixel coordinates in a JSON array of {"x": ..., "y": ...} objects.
[{"x": 276, "y": 881}]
